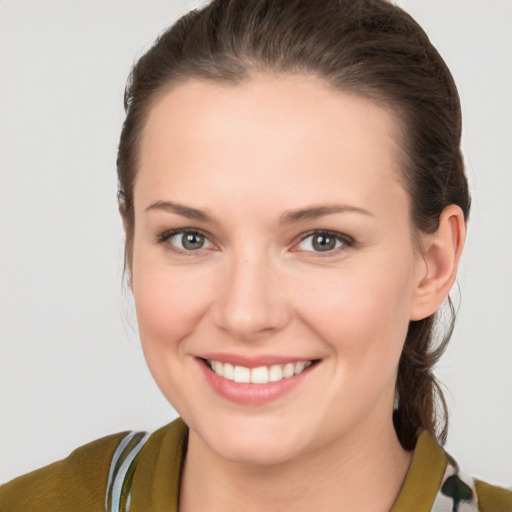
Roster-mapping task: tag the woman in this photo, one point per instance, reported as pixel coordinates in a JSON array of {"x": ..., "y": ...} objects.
[{"x": 294, "y": 201}]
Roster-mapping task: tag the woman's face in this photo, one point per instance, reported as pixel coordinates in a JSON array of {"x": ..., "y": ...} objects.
[{"x": 273, "y": 242}]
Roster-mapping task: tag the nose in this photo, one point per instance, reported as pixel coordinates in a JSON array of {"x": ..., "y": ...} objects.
[{"x": 251, "y": 302}]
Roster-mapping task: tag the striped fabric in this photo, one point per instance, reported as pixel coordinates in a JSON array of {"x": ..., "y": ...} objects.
[{"x": 117, "y": 497}]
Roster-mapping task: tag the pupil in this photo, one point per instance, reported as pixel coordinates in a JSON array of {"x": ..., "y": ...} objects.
[
  {"x": 192, "y": 241},
  {"x": 324, "y": 243}
]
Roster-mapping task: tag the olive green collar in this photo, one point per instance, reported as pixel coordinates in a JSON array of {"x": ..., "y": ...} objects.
[
  {"x": 424, "y": 477},
  {"x": 157, "y": 479}
]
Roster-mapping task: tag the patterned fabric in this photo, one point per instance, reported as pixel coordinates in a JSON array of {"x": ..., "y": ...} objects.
[{"x": 457, "y": 492}]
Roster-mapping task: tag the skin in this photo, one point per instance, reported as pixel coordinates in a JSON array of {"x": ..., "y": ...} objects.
[{"x": 246, "y": 155}]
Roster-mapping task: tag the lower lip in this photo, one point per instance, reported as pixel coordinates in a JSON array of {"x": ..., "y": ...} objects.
[{"x": 252, "y": 394}]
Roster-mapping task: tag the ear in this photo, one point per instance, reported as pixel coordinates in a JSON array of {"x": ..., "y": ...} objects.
[
  {"x": 122, "y": 213},
  {"x": 127, "y": 265},
  {"x": 441, "y": 253}
]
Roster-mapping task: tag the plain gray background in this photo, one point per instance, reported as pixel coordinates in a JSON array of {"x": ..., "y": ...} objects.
[{"x": 71, "y": 369}]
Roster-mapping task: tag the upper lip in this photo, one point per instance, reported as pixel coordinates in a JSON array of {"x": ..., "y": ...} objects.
[{"x": 254, "y": 361}]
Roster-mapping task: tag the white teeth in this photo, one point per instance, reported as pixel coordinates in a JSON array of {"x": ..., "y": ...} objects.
[
  {"x": 259, "y": 375},
  {"x": 229, "y": 371},
  {"x": 242, "y": 374},
  {"x": 288, "y": 371},
  {"x": 275, "y": 373},
  {"x": 218, "y": 368},
  {"x": 299, "y": 367}
]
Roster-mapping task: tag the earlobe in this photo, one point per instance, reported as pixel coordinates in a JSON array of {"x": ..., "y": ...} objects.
[{"x": 441, "y": 253}]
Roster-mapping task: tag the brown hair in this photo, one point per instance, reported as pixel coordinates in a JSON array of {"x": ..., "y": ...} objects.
[{"x": 366, "y": 47}]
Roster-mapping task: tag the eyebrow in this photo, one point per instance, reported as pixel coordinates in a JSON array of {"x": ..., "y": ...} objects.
[
  {"x": 288, "y": 217},
  {"x": 180, "y": 209},
  {"x": 314, "y": 212}
]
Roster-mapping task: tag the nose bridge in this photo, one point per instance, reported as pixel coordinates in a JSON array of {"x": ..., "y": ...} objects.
[{"x": 251, "y": 299}]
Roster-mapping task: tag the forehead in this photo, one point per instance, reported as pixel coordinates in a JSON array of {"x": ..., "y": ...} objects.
[{"x": 281, "y": 130}]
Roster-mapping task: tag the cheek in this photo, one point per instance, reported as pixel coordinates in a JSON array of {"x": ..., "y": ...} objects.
[
  {"x": 169, "y": 302},
  {"x": 361, "y": 314}
]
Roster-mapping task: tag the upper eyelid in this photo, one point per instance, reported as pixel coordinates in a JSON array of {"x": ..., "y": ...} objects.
[{"x": 164, "y": 235}]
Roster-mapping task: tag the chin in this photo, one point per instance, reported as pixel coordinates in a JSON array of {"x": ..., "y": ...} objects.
[
  {"x": 254, "y": 442},
  {"x": 258, "y": 451}
]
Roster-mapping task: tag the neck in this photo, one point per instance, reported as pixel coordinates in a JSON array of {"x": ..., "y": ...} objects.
[{"x": 361, "y": 470}]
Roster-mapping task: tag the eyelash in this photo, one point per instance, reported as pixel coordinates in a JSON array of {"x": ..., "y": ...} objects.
[{"x": 345, "y": 241}]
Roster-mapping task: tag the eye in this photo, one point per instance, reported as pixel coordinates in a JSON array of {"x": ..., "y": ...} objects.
[
  {"x": 323, "y": 241},
  {"x": 186, "y": 240}
]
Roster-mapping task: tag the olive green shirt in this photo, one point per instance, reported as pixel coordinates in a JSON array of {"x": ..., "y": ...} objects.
[{"x": 79, "y": 482}]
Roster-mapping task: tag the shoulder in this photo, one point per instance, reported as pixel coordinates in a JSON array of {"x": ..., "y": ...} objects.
[
  {"x": 76, "y": 483},
  {"x": 436, "y": 483},
  {"x": 492, "y": 498},
  {"x": 79, "y": 483},
  {"x": 465, "y": 493}
]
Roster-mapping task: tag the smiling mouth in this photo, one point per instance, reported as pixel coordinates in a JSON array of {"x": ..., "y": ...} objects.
[{"x": 259, "y": 375}]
